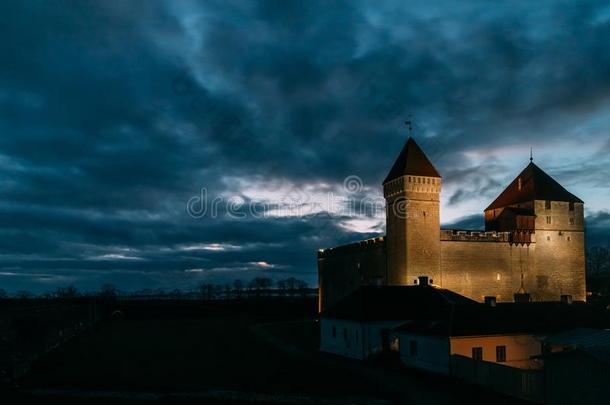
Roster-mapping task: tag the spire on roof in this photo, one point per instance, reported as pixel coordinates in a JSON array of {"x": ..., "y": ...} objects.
[{"x": 411, "y": 161}]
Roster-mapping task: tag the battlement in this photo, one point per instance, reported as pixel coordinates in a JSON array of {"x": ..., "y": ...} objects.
[
  {"x": 352, "y": 247},
  {"x": 474, "y": 236}
]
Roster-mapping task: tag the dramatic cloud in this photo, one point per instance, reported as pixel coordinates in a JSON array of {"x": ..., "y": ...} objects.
[{"x": 136, "y": 137}]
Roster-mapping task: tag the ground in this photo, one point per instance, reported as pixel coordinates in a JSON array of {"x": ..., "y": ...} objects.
[{"x": 220, "y": 356}]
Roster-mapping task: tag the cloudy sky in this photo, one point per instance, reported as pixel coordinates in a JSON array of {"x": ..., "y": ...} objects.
[{"x": 160, "y": 144}]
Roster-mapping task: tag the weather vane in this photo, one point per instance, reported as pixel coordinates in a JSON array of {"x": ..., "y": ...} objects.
[
  {"x": 531, "y": 155},
  {"x": 409, "y": 123}
]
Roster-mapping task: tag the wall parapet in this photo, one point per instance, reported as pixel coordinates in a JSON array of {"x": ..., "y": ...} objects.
[
  {"x": 352, "y": 247},
  {"x": 474, "y": 236}
]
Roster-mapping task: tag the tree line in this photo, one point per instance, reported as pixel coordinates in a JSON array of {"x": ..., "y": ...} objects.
[{"x": 257, "y": 287}]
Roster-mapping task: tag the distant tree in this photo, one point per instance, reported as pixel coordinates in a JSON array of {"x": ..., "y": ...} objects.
[
  {"x": 69, "y": 292},
  {"x": 598, "y": 260},
  {"x": 292, "y": 285},
  {"x": 207, "y": 291},
  {"x": 238, "y": 287},
  {"x": 302, "y": 287},
  {"x": 260, "y": 285},
  {"x": 282, "y": 286},
  {"x": 108, "y": 291},
  {"x": 3, "y": 293},
  {"x": 24, "y": 294}
]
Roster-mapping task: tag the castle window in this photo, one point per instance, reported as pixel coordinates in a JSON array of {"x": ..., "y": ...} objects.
[
  {"x": 571, "y": 221},
  {"x": 500, "y": 354},
  {"x": 547, "y": 204},
  {"x": 413, "y": 348},
  {"x": 419, "y": 180},
  {"x": 409, "y": 179},
  {"x": 571, "y": 206},
  {"x": 498, "y": 276},
  {"x": 548, "y": 220},
  {"x": 519, "y": 183},
  {"x": 569, "y": 238},
  {"x": 548, "y": 238},
  {"x": 477, "y": 353}
]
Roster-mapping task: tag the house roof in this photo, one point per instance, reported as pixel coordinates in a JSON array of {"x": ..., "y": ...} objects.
[
  {"x": 377, "y": 303},
  {"x": 411, "y": 161},
  {"x": 593, "y": 342},
  {"x": 535, "y": 185},
  {"x": 511, "y": 318}
]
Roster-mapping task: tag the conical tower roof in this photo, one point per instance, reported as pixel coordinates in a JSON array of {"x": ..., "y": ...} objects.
[
  {"x": 532, "y": 184},
  {"x": 411, "y": 161}
]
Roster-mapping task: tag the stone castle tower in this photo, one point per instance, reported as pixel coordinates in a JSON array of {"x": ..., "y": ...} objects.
[{"x": 412, "y": 192}]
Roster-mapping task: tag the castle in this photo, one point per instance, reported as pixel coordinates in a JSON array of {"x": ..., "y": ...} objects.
[{"x": 532, "y": 247}]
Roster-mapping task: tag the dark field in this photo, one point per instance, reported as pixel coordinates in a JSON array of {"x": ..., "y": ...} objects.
[{"x": 207, "y": 354}]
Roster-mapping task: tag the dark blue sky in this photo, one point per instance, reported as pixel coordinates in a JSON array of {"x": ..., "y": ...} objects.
[{"x": 114, "y": 115}]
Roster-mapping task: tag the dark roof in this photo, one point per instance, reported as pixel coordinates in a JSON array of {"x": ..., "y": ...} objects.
[
  {"x": 376, "y": 303},
  {"x": 511, "y": 318},
  {"x": 411, "y": 161},
  {"x": 535, "y": 185},
  {"x": 519, "y": 211},
  {"x": 595, "y": 343}
]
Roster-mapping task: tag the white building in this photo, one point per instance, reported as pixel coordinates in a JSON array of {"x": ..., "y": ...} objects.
[{"x": 362, "y": 324}]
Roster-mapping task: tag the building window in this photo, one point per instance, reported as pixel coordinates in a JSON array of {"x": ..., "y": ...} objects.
[
  {"x": 498, "y": 276},
  {"x": 548, "y": 238},
  {"x": 501, "y": 354},
  {"x": 334, "y": 331},
  {"x": 547, "y": 204},
  {"x": 569, "y": 238},
  {"x": 571, "y": 221},
  {"x": 571, "y": 206},
  {"x": 519, "y": 183},
  {"x": 409, "y": 179},
  {"x": 413, "y": 348},
  {"x": 477, "y": 353},
  {"x": 548, "y": 220}
]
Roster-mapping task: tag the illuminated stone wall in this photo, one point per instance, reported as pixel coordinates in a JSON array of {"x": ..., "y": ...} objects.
[
  {"x": 484, "y": 264},
  {"x": 474, "y": 264}
]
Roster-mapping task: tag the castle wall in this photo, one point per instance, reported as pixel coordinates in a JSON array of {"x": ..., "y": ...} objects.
[
  {"x": 343, "y": 269},
  {"x": 487, "y": 264}
]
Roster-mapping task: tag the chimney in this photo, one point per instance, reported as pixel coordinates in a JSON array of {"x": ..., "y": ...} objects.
[
  {"x": 566, "y": 299},
  {"x": 490, "y": 300},
  {"x": 522, "y": 297},
  {"x": 423, "y": 280}
]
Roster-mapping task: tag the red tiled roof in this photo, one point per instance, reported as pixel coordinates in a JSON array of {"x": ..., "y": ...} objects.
[
  {"x": 535, "y": 185},
  {"x": 411, "y": 161}
]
